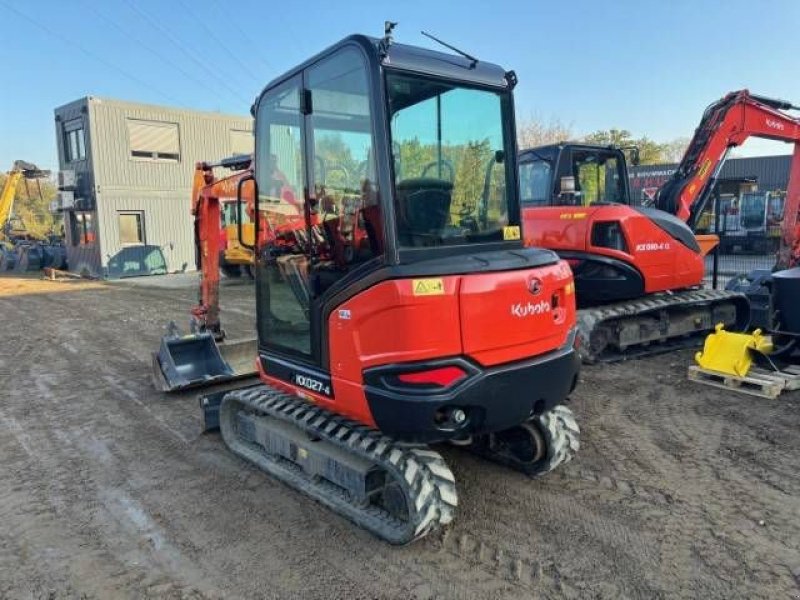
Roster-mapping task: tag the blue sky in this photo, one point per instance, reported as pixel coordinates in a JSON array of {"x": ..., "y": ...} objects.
[{"x": 647, "y": 66}]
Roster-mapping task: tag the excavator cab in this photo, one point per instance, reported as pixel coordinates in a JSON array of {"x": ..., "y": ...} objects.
[
  {"x": 571, "y": 174},
  {"x": 374, "y": 198},
  {"x": 400, "y": 308}
]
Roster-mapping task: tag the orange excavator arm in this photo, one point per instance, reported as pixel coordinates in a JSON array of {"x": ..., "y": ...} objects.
[
  {"x": 726, "y": 124},
  {"x": 207, "y": 191}
]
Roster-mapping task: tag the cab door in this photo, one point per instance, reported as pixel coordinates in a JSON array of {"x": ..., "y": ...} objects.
[
  {"x": 319, "y": 201},
  {"x": 283, "y": 250}
]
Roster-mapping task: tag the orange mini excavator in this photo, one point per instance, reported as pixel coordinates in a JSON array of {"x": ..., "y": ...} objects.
[
  {"x": 639, "y": 270},
  {"x": 429, "y": 323}
]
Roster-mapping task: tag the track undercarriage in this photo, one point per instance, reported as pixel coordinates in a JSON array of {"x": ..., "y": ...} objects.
[
  {"x": 657, "y": 323},
  {"x": 399, "y": 492}
]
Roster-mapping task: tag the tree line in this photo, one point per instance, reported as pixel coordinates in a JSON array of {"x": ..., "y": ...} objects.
[{"x": 533, "y": 132}]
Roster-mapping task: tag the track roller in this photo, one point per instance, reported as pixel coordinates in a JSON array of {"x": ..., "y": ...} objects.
[
  {"x": 537, "y": 446},
  {"x": 397, "y": 492}
]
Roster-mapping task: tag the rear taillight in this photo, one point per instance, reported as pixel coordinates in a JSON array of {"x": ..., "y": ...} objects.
[{"x": 441, "y": 376}]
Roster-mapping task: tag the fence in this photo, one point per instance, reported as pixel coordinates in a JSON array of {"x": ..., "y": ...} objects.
[{"x": 748, "y": 227}]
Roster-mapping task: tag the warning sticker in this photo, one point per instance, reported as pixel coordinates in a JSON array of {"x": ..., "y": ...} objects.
[
  {"x": 428, "y": 287},
  {"x": 704, "y": 169},
  {"x": 511, "y": 232}
]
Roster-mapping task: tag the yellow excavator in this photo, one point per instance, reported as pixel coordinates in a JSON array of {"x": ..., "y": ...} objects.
[
  {"x": 21, "y": 172},
  {"x": 20, "y": 249}
]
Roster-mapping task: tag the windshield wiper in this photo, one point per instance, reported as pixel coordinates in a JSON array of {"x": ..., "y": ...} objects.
[{"x": 453, "y": 48}]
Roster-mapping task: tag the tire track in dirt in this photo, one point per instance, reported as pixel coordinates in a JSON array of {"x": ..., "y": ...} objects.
[
  {"x": 419, "y": 579},
  {"x": 685, "y": 446},
  {"x": 664, "y": 499}
]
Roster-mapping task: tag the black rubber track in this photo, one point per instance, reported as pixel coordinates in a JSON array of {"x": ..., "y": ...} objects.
[
  {"x": 593, "y": 319},
  {"x": 425, "y": 479}
]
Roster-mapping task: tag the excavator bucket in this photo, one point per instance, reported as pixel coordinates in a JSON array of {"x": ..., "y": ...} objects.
[
  {"x": 732, "y": 353},
  {"x": 707, "y": 242},
  {"x": 197, "y": 360}
]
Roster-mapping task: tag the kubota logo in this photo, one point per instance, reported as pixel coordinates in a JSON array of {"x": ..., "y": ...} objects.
[
  {"x": 524, "y": 310},
  {"x": 775, "y": 124},
  {"x": 535, "y": 286}
]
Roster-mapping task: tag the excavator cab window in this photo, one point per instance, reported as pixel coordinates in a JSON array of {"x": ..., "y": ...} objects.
[
  {"x": 534, "y": 182},
  {"x": 598, "y": 178},
  {"x": 318, "y": 194},
  {"x": 451, "y": 178}
]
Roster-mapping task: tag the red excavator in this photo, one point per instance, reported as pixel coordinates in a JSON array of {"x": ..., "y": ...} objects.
[
  {"x": 437, "y": 326},
  {"x": 639, "y": 270}
]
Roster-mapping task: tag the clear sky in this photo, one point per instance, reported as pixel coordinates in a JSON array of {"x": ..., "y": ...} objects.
[{"x": 647, "y": 66}]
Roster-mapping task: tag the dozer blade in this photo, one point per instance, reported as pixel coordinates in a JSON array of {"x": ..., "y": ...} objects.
[{"x": 196, "y": 360}]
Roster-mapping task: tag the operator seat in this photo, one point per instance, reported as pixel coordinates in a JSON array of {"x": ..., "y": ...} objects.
[{"x": 424, "y": 208}]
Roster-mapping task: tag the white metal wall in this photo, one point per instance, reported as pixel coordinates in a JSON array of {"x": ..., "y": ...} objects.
[{"x": 160, "y": 189}]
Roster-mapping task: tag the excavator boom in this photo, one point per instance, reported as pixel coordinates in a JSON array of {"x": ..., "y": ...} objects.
[
  {"x": 7, "y": 196},
  {"x": 726, "y": 124}
]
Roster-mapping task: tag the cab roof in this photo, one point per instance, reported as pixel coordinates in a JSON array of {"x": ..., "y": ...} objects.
[{"x": 403, "y": 57}]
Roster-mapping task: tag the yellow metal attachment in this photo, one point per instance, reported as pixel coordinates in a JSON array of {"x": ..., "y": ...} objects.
[{"x": 727, "y": 352}]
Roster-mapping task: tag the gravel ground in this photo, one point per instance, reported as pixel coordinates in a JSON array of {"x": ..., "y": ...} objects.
[{"x": 111, "y": 491}]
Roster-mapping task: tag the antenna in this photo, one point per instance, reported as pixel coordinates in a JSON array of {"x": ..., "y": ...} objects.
[
  {"x": 383, "y": 45},
  {"x": 453, "y": 48}
]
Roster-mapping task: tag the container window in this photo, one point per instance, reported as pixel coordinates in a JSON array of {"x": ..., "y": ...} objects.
[
  {"x": 82, "y": 228},
  {"x": 154, "y": 140},
  {"x": 74, "y": 141},
  {"x": 131, "y": 228}
]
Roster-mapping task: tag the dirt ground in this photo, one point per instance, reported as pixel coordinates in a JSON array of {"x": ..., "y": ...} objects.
[{"x": 110, "y": 490}]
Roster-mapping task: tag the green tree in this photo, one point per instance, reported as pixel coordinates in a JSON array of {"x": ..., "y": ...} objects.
[
  {"x": 650, "y": 152},
  {"x": 470, "y": 166},
  {"x": 412, "y": 158},
  {"x": 341, "y": 167}
]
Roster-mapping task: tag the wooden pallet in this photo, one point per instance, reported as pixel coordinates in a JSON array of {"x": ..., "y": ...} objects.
[{"x": 758, "y": 382}]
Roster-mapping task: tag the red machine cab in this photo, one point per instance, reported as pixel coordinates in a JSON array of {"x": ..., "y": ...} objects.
[{"x": 408, "y": 265}]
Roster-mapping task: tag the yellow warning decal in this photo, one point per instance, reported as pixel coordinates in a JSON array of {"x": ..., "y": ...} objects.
[
  {"x": 704, "y": 168},
  {"x": 428, "y": 287},
  {"x": 577, "y": 215},
  {"x": 511, "y": 232}
]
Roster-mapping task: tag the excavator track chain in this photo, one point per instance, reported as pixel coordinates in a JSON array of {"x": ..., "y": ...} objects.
[
  {"x": 398, "y": 492},
  {"x": 657, "y": 323}
]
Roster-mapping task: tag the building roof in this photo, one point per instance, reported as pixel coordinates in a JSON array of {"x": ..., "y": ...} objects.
[{"x": 153, "y": 107}]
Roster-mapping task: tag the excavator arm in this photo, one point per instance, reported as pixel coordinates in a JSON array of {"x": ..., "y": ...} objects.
[
  {"x": 21, "y": 171},
  {"x": 7, "y": 196},
  {"x": 206, "y": 194},
  {"x": 789, "y": 253},
  {"x": 726, "y": 124}
]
